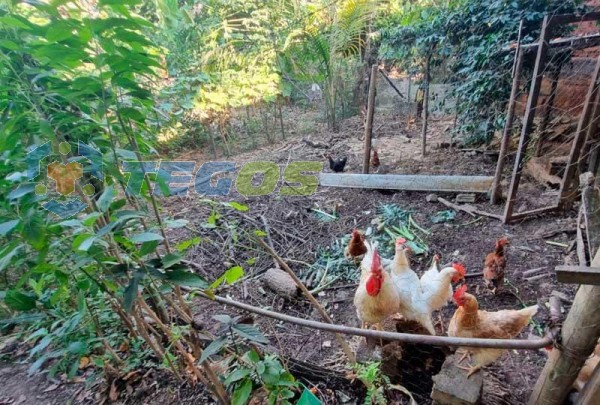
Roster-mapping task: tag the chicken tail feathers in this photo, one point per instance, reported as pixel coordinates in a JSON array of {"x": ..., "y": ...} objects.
[{"x": 529, "y": 311}]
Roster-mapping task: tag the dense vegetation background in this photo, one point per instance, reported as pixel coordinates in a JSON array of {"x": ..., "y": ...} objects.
[{"x": 132, "y": 77}]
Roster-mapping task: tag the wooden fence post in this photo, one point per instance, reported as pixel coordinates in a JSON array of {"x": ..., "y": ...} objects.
[
  {"x": 579, "y": 334},
  {"x": 425, "y": 106},
  {"x": 510, "y": 115},
  {"x": 369, "y": 123}
]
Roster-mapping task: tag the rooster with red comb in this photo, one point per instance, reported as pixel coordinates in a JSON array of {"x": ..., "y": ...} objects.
[{"x": 375, "y": 298}]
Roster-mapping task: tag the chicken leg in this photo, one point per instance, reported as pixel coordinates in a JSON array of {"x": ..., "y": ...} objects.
[
  {"x": 471, "y": 369},
  {"x": 441, "y": 320},
  {"x": 466, "y": 354}
]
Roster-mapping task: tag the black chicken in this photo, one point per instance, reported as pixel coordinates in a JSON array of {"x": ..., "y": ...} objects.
[{"x": 337, "y": 165}]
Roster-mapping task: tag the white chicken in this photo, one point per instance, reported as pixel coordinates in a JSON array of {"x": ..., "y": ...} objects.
[
  {"x": 437, "y": 284},
  {"x": 413, "y": 303}
]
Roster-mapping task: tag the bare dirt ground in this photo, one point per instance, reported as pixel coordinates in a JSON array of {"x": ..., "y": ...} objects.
[{"x": 299, "y": 235}]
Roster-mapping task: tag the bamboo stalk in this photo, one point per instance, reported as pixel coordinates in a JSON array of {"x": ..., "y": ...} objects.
[
  {"x": 142, "y": 328},
  {"x": 217, "y": 386},
  {"x": 311, "y": 298}
]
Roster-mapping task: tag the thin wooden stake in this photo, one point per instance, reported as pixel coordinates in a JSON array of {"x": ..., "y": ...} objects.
[
  {"x": 281, "y": 118},
  {"x": 391, "y": 83},
  {"x": 440, "y": 341},
  {"x": 345, "y": 347},
  {"x": 369, "y": 123}
]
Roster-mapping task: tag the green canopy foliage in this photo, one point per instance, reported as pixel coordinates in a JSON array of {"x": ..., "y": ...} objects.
[{"x": 469, "y": 36}]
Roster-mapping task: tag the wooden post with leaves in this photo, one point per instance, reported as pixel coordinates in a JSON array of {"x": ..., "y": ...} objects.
[
  {"x": 369, "y": 118},
  {"x": 579, "y": 334},
  {"x": 426, "y": 80}
]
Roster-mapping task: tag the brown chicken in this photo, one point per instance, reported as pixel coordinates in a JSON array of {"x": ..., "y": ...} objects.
[
  {"x": 375, "y": 159},
  {"x": 470, "y": 322},
  {"x": 356, "y": 247},
  {"x": 494, "y": 266}
]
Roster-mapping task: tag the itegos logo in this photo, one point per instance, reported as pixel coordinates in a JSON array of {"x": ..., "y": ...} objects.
[
  {"x": 216, "y": 178},
  {"x": 67, "y": 168}
]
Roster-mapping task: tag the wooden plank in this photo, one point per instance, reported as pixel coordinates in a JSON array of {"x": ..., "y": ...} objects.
[
  {"x": 568, "y": 187},
  {"x": 573, "y": 43},
  {"x": 510, "y": 115},
  {"x": 534, "y": 92},
  {"x": 451, "y": 184},
  {"x": 369, "y": 123},
  {"x": 579, "y": 336},
  {"x": 591, "y": 137},
  {"x": 537, "y": 211},
  {"x": 391, "y": 83},
  {"x": 578, "y": 275},
  {"x": 574, "y": 18}
]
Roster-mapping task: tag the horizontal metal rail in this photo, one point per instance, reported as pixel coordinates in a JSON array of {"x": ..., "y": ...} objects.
[{"x": 402, "y": 337}]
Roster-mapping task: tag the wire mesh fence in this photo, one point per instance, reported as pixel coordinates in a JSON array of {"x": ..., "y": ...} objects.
[{"x": 567, "y": 75}]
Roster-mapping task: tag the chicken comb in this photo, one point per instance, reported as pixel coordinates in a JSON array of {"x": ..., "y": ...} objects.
[
  {"x": 400, "y": 241},
  {"x": 502, "y": 241},
  {"x": 460, "y": 292},
  {"x": 460, "y": 268},
  {"x": 356, "y": 233},
  {"x": 376, "y": 263}
]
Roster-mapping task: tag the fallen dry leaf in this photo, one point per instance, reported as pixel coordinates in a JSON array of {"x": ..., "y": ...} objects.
[
  {"x": 51, "y": 388},
  {"x": 124, "y": 347},
  {"x": 84, "y": 362}
]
